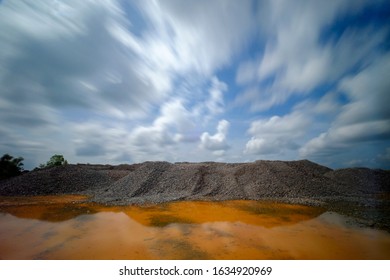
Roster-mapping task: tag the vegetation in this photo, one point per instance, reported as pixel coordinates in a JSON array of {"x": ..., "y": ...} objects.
[
  {"x": 10, "y": 166},
  {"x": 55, "y": 160}
]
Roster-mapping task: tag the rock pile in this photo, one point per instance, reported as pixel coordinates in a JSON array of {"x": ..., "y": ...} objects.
[
  {"x": 298, "y": 181},
  {"x": 359, "y": 192}
]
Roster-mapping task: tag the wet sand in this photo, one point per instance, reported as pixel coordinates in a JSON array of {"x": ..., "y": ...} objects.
[{"x": 69, "y": 227}]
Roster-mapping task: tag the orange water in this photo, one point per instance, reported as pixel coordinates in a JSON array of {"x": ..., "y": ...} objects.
[{"x": 65, "y": 227}]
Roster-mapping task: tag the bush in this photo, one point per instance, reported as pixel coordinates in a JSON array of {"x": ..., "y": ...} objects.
[
  {"x": 55, "y": 160},
  {"x": 10, "y": 166}
]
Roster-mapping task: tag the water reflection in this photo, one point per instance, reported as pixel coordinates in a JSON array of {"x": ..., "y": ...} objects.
[{"x": 68, "y": 228}]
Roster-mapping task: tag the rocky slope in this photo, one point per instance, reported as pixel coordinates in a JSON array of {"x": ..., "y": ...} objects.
[
  {"x": 360, "y": 192},
  {"x": 163, "y": 181}
]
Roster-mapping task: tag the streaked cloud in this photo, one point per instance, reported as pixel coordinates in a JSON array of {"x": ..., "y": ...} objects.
[
  {"x": 365, "y": 118},
  {"x": 299, "y": 56},
  {"x": 113, "y": 81}
]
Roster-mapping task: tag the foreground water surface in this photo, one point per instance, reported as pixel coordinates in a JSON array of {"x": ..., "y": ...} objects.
[{"x": 65, "y": 227}]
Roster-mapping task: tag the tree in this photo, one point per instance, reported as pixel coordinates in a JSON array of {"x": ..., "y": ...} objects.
[
  {"x": 55, "y": 160},
  {"x": 10, "y": 166}
]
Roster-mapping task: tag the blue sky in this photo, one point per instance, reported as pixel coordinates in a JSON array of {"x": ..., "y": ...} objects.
[{"x": 110, "y": 81}]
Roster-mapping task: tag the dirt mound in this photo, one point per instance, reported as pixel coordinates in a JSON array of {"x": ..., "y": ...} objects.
[
  {"x": 62, "y": 180},
  {"x": 298, "y": 181},
  {"x": 162, "y": 181},
  {"x": 359, "y": 192},
  {"x": 362, "y": 181}
]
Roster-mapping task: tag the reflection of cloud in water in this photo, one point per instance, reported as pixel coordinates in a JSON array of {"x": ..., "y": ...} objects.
[
  {"x": 164, "y": 220},
  {"x": 266, "y": 214},
  {"x": 172, "y": 248},
  {"x": 58, "y": 210},
  {"x": 184, "y": 230},
  {"x": 220, "y": 229},
  {"x": 48, "y": 234}
]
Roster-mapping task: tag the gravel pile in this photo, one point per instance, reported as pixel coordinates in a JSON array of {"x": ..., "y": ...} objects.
[
  {"x": 361, "y": 181},
  {"x": 67, "y": 179},
  {"x": 359, "y": 192},
  {"x": 162, "y": 181}
]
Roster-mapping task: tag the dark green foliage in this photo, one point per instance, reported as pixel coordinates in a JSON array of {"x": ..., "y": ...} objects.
[
  {"x": 55, "y": 160},
  {"x": 10, "y": 166}
]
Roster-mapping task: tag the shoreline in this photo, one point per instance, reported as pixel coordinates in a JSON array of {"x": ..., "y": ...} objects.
[
  {"x": 360, "y": 215},
  {"x": 361, "y": 193}
]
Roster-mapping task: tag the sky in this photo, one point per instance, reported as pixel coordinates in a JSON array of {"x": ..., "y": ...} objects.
[{"x": 110, "y": 81}]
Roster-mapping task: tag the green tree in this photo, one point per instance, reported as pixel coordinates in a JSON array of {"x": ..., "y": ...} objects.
[
  {"x": 55, "y": 160},
  {"x": 10, "y": 166}
]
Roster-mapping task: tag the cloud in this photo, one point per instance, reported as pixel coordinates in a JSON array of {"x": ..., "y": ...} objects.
[
  {"x": 194, "y": 33},
  {"x": 247, "y": 72},
  {"x": 299, "y": 56},
  {"x": 296, "y": 54},
  {"x": 325, "y": 107},
  {"x": 77, "y": 64},
  {"x": 95, "y": 139},
  {"x": 64, "y": 55},
  {"x": 215, "y": 103},
  {"x": 78, "y": 55},
  {"x": 168, "y": 128},
  {"x": 261, "y": 146},
  {"x": 365, "y": 118},
  {"x": 384, "y": 157},
  {"x": 147, "y": 80},
  {"x": 216, "y": 142},
  {"x": 276, "y": 134},
  {"x": 91, "y": 150},
  {"x": 35, "y": 115},
  {"x": 343, "y": 138}
]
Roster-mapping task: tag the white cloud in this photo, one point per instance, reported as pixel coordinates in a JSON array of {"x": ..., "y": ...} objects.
[
  {"x": 93, "y": 134},
  {"x": 67, "y": 54},
  {"x": 365, "y": 118},
  {"x": 177, "y": 126},
  {"x": 321, "y": 110},
  {"x": 260, "y": 99},
  {"x": 328, "y": 104},
  {"x": 246, "y": 72},
  {"x": 76, "y": 63},
  {"x": 215, "y": 103},
  {"x": 86, "y": 55},
  {"x": 136, "y": 80},
  {"x": 296, "y": 58},
  {"x": 45, "y": 19},
  {"x": 193, "y": 33},
  {"x": 219, "y": 153},
  {"x": 261, "y": 146},
  {"x": 295, "y": 54},
  {"x": 276, "y": 134},
  {"x": 216, "y": 142},
  {"x": 368, "y": 93},
  {"x": 343, "y": 138},
  {"x": 292, "y": 124},
  {"x": 168, "y": 128}
]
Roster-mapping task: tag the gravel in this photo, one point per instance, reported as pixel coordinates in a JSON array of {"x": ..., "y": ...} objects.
[{"x": 360, "y": 192}]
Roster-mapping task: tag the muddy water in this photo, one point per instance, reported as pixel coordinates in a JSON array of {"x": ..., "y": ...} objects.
[{"x": 66, "y": 227}]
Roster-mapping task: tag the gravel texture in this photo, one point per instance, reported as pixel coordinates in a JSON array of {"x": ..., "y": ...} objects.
[{"x": 359, "y": 192}]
